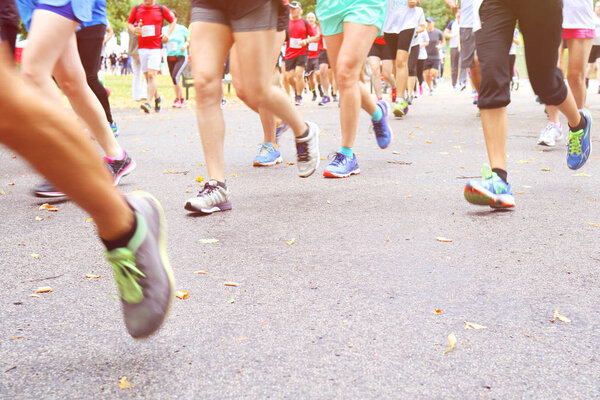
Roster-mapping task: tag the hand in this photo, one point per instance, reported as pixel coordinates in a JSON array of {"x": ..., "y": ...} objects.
[
  {"x": 138, "y": 30},
  {"x": 165, "y": 38},
  {"x": 412, "y": 3},
  {"x": 182, "y": 48}
]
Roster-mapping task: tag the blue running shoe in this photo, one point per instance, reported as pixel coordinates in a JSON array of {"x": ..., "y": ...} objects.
[
  {"x": 267, "y": 156},
  {"x": 280, "y": 131},
  {"x": 325, "y": 100},
  {"x": 342, "y": 166},
  {"x": 383, "y": 130},
  {"x": 579, "y": 144},
  {"x": 491, "y": 191},
  {"x": 114, "y": 128}
]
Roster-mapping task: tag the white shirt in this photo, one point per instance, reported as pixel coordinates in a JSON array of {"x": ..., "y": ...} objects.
[
  {"x": 400, "y": 17},
  {"x": 578, "y": 14},
  {"x": 455, "y": 32},
  {"x": 513, "y": 46},
  {"x": 467, "y": 13},
  {"x": 423, "y": 37},
  {"x": 597, "y": 23}
]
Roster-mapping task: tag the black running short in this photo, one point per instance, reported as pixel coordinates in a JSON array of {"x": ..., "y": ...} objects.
[
  {"x": 431, "y": 64},
  {"x": 299, "y": 61},
  {"x": 323, "y": 59},
  {"x": 312, "y": 65},
  {"x": 377, "y": 50},
  {"x": 395, "y": 42},
  {"x": 594, "y": 54},
  {"x": 176, "y": 66}
]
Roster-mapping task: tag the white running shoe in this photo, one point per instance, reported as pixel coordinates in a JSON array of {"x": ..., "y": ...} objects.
[
  {"x": 550, "y": 135},
  {"x": 308, "y": 151}
]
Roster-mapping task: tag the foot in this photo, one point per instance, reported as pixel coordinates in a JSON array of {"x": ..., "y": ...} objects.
[
  {"x": 314, "y": 96},
  {"x": 46, "y": 189},
  {"x": 462, "y": 86},
  {"x": 307, "y": 149},
  {"x": 182, "y": 103},
  {"x": 342, "y": 166},
  {"x": 146, "y": 107},
  {"x": 550, "y": 135},
  {"x": 281, "y": 129},
  {"x": 142, "y": 269},
  {"x": 157, "y": 103},
  {"x": 579, "y": 144},
  {"x": 298, "y": 100},
  {"x": 210, "y": 199},
  {"x": 409, "y": 101},
  {"x": 394, "y": 95},
  {"x": 382, "y": 129},
  {"x": 491, "y": 191},
  {"x": 115, "y": 129},
  {"x": 334, "y": 98},
  {"x": 175, "y": 104},
  {"x": 325, "y": 100},
  {"x": 267, "y": 156},
  {"x": 400, "y": 108},
  {"x": 120, "y": 168}
]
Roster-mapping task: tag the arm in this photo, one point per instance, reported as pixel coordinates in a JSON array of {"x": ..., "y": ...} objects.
[
  {"x": 110, "y": 32},
  {"x": 420, "y": 28},
  {"x": 165, "y": 37},
  {"x": 130, "y": 21},
  {"x": 448, "y": 33},
  {"x": 313, "y": 37},
  {"x": 517, "y": 40}
]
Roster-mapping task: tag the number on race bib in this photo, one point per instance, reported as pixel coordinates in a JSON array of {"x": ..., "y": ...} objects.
[
  {"x": 148, "y": 30},
  {"x": 313, "y": 46},
  {"x": 295, "y": 43},
  {"x": 172, "y": 46}
]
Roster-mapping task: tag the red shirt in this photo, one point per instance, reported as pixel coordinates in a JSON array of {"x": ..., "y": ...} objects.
[
  {"x": 152, "y": 20},
  {"x": 313, "y": 48},
  {"x": 297, "y": 32},
  {"x": 380, "y": 40}
]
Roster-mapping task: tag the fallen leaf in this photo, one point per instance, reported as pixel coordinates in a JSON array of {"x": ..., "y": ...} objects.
[
  {"x": 231, "y": 299},
  {"x": 591, "y": 198},
  {"x": 290, "y": 163},
  {"x": 443, "y": 239},
  {"x": 522, "y": 162},
  {"x": 200, "y": 164},
  {"x": 89, "y": 220},
  {"x": 11, "y": 184},
  {"x": 39, "y": 218},
  {"x": 471, "y": 325},
  {"x": 452, "y": 342},
  {"x": 201, "y": 272},
  {"x": 208, "y": 241},
  {"x": 583, "y": 175},
  {"x": 558, "y": 316},
  {"x": 44, "y": 289},
  {"x": 395, "y": 152},
  {"x": 291, "y": 241},
  {"x": 241, "y": 339},
  {"x": 123, "y": 383},
  {"x": 36, "y": 256},
  {"x": 527, "y": 186},
  {"x": 428, "y": 141},
  {"x": 388, "y": 239},
  {"x": 15, "y": 337},
  {"x": 2, "y": 192},
  {"x": 182, "y": 294},
  {"x": 34, "y": 295},
  {"x": 456, "y": 147},
  {"x": 189, "y": 191},
  {"x": 328, "y": 201},
  {"x": 199, "y": 179},
  {"x": 168, "y": 171},
  {"x": 48, "y": 207},
  {"x": 437, "y": 311},
  {"x": 323, "y": 158},
  {"x": 594, "y": 224},
  {"x": 233, "y": 175},
  {"x": 92, "y": 276},
  {"x": 230, "y": 284},
  {"x": 545, "y": 169}
]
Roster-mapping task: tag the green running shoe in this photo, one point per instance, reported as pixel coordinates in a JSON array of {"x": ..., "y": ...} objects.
[{"x": 142, "y": 270}]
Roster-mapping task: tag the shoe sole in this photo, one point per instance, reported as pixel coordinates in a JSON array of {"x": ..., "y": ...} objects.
[
  {"x": 269, "y": 164},
  {"x": 125, "y": 172},
  {"x": 49, "y": 194},
  {"x": 482, "y": 197},
  {"x": 146, "y": 110},
  {"x": 329, "y": 174},
  {"x": 220, "y": 207},
  {"x": 399, "y": 113},
  {"x": 162, "y": 249}
]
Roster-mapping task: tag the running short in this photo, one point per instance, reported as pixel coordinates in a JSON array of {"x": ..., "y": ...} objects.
[
  {"x": 413, "y": 58},
  {"x": 578, "y": 34},
  {"x": 594, "y": 54},
  {"x": 64, "y": 11},
  {"x": 78, "y": 11},
  {"x": 377, "y": 50},
  {"x": 312, "y": 65},
  {"x": 431, "y": 64},
  {"x": 283, "y": 18},
  {"x": 333, "y": 14},
  {"x": 323, "y": 59},
  {"x": 395, "y": 42},
  {"x": 176, "y": 66},
  {"x": 467, "y": 48},
  {"x": 262, "y": 18},
  {"x": 150, "y": 59},
  {"x": 292, "y": 63}
]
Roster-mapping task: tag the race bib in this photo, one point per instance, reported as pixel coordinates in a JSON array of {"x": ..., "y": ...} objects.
[
  {"x": 148, "y": 30},
  {"x": 172, "y": 46},
  {"x": 313, "y": 46},
  {"x": 295, "y": 43}
]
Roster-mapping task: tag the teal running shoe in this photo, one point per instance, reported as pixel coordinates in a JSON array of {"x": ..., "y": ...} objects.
[
  {"x": 579, "y": 144},
  {"x": 267, "y": 156},
  {"x": 491, "y": 190}
]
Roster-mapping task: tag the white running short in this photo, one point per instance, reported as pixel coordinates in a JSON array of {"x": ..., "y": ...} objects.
[{"x": 150, "y": 59}]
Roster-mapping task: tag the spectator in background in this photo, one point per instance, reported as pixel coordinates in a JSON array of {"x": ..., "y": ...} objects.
[
  {"x": 123, "y": 61},
  {"x": 452, "y": 33},
  {"x": 139, "y": 86},
  {"x": 177, "y": 58}
]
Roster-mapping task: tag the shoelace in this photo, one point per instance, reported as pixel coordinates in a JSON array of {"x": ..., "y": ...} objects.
[
  {"x": 338, "y": 158},
  {"x": 302, "y": 149},
  {"x": 378, "y": 128},
  {"x": 575, "y": 142},
  {"x": 486, "y": 172},
  {"x": 207, "y": 190},
  {"x": 127, "y": 274}
]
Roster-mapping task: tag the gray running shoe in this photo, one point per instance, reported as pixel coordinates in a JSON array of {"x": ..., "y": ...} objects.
[
  {"x": 142, "y": 270},
  {"x": 47, "y": 189},
  {"x": 210, "y": 199},
  {"x": 308, "y": 151}
]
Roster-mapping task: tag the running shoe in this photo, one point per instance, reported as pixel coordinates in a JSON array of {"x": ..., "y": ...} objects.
[
  {"x": 142, "y": 269},
  {"x": 342, "y": 166},
  {"x": 382, "y": 129},
  {"x": 409, "y": 101},
  {"x": 420, "y": 89},
  {"x": 334, "y": 98},
  {"x": 325, "y": 100},
  {"x": 223, "y": 102},
  {"x": 115, "y": 129},
  {"x": 475, "y": 98},
  {"x": 400, "y": 108},
  {"x": 434, "y": 81},
  {"x": 120, "y": 168},
  {"x": 579, "y": 144},
  {"x": 394, "y": 95},
  {"x": 182, "y": 103},
  {"x": 298, "y": 100},
  {"x": 146, "y": 107},
  {"x": 314, "y": 96},
  {"x": 175, "y": 104},
  {"x": 462, "y": 87},
  {"x": 307, "y": 149},
  {"x": 210, "y": 199},
  {"x": 157, "y": 103},
  {"x": 550, "y": 135},
  {"x": 267, "y": 156},
  {"x": 491, "y": 190},
  {"x": 46, "y": 189},
  {"x": 280, "y": 131}
]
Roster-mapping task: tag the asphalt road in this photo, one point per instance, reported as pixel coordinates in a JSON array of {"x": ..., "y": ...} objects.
[{"x": 348, "y": 310}]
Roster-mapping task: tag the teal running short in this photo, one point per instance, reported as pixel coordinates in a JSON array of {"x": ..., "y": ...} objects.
[{"x": 333, "y": 13}]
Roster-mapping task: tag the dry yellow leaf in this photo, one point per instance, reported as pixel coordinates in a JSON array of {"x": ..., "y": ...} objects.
[
  {"x": 123, "y": 383},
  {"x": 594, "y": 224},
  {"x": 545, "y": 169},
  {"x": 428, "y": 141},
  {"x": 89, "y": 220},
  {"x": 388, "y": 239},
  {"x": 241, "y": 339},
  {"x": 201, "y": 272},
  {"x": 11, "y": 184},
  {"x": 471, "y": 325},
  {"x": 34, "y": 295},
  {"x": 36, "y": 256},
  {"x": 558, "y": 316},
  {"x": 15, "y": 337},
  {"x": 2, "y": 192},
  {"x": 323, "y": 158},
  {"x": 452, "y": 342},
  {"x": 233, "y": 175},
  {"x": 48, "y": 207},
  {"x": 443, "y": 239},
  {"x": 395, "y": 152},
  {"x": 208, "y": 241},
  {"x": 291, "y": 241},
  {"x": 189, "y": 191},
  {"x": 230, "y": 284},
  {"x": 44, "y": 289},
  {"x": 182, "y": 294},
  {"x": 583, "y": 175},
  {"x": 92, "y": 276},
  {"x": 522, "y": 162},
  {"x": 39, "y": 218},
  {"x": 437, "y": 311},
  {"x": 200, "y": 164},
  {"x": 200, "y": 179},
  {"x": 290, "y": 163},
  {"x": 591, "y": 198}
]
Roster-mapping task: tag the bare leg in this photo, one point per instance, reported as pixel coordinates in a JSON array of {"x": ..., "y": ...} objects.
[
  {"x": 152, "y": 85},
  {"x": 299, "y": 80},
  {"x": 579, "y": 51},
  {"x": 324, "y": 73},
  {"x": 401, "y": 71},
  {"x": 387, "y": 66},
  {"x": 375, "y": 64},
  {"x": 476, "y": 76},
  {"x": 495, "y": 126},
  {"x": 428, "y": 78}
]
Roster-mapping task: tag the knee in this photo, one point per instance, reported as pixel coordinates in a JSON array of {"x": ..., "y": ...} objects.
[
  {"x": 71, "y": 87},
  {"x": 575, "y": 77},
  {"x": 346, "y": 74},
  {"x": 208, "y": 90}
]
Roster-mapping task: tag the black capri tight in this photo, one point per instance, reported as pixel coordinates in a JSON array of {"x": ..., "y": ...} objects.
[
  {"x": 176, "y": 67},
  {"x": 420, "y": 65},
  {"x": 413, "y": 58},
  {"x": 89, "y": 45}
]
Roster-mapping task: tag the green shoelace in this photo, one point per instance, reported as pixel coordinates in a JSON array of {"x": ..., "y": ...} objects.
[
  {"x": 575, "y": 142},
  {"x": 127, "y": 274}
]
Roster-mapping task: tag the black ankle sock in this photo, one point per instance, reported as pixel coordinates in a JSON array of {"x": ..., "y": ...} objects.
[
  {"x": 123, "y": 241},
  {"x": 582, "y": 124},
  {"x": 501, "y": 173},
  {"x": 305, "y": 134},
  {"x": 222, "y": 184}
]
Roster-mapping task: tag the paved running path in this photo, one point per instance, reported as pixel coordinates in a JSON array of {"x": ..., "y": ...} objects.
[{"x": 347, "y": 311}]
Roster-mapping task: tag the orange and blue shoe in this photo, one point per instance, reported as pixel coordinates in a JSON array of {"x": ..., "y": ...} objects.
[{"x": 491, "y": 190}]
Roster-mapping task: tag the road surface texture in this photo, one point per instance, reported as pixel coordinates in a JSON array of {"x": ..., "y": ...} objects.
[{"x": 346, "y": 311}]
